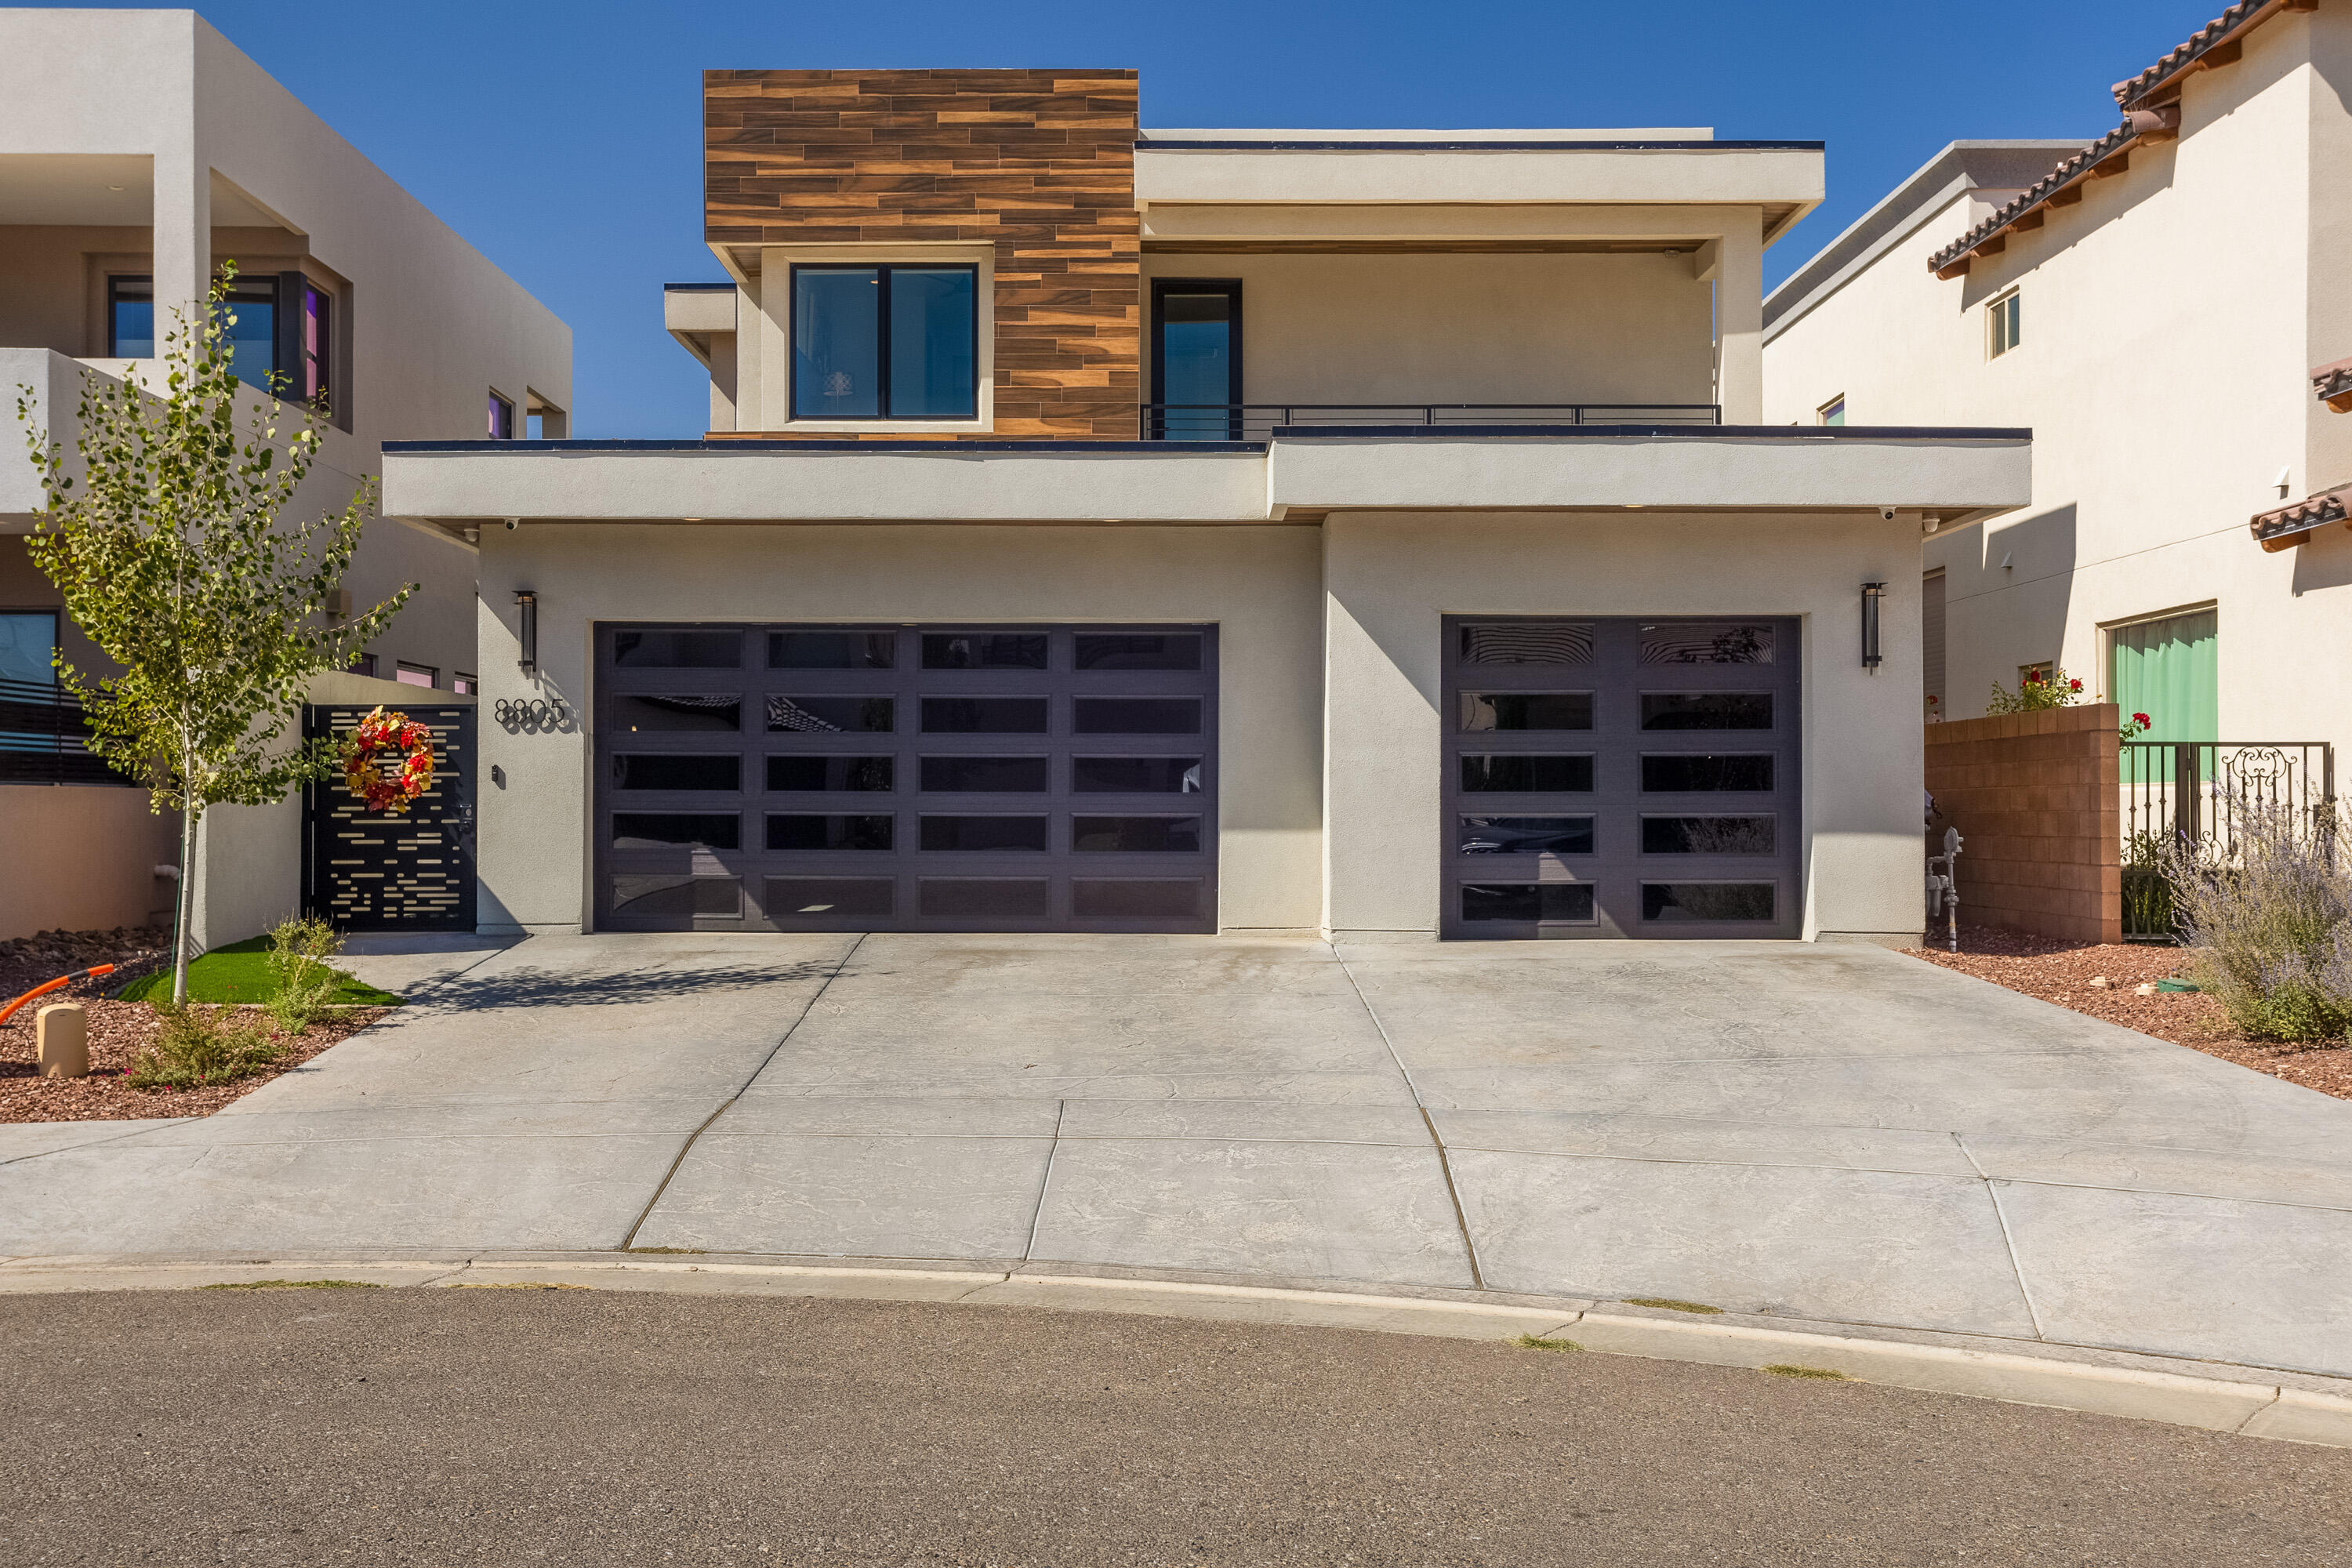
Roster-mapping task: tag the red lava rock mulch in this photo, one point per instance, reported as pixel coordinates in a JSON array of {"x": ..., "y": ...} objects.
[
  {"x": 118, "y": 1031},
  {"x": 2061, "y": 971}
]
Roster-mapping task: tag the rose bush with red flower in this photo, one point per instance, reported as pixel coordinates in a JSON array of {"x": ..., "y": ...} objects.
[{"x": 388, "y": 761}]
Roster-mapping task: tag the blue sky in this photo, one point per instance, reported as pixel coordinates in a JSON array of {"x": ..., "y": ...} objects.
[{"x": 564, "y": 140}]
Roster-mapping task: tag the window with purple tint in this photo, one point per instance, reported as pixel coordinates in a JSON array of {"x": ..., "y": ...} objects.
[
  {"x": 502, "y": 425},
  {"x": 314, "y": 337}
]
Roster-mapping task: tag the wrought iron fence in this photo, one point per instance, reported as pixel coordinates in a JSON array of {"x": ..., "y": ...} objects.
[
  {"x": 43, "y": 739},
  {"x": 1257, "y": 421},
  {"x": 2195, "y": 793}
]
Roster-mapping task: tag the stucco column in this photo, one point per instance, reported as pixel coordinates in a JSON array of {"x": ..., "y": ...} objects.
[
  {"x": 1739, "y": 257},
  {"x": 182, "y": 221}
]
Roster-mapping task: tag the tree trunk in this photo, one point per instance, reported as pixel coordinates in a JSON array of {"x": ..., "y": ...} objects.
[{"x": 186, "y": 904}]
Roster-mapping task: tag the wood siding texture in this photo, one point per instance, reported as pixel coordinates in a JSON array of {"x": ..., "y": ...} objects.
[
  {"x": 2038, "y": 798},
  {"x": 1038, "y": 164}
]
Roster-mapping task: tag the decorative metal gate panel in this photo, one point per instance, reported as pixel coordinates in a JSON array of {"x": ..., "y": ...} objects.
[
  {"x": 371, "y": 870},
  {"x": 1614, "y": 777}
]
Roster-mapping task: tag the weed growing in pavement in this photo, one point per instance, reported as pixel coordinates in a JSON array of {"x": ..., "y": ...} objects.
[
  {"x": 1671, "y": 1305},
  {"x": 197, "y": 1046},
  {"x": 1531, "y": 1343},
  {"x": 1789, "y": 1369},
  {"x": 300, "y": 980},
  {"x": 2270, "y": 915},
  {"x": 295, "y": 1285}
]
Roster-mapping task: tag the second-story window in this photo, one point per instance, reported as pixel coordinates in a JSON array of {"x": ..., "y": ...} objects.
[
  {"x": 2004, "y": 322},
  {"x": 886, "y": 342},
  {"x": 130, "y": 318},
  {"x": 280, "y": 330},
  {"x": 501, "y": 422},
  {"x": 1831, "y": 413}
]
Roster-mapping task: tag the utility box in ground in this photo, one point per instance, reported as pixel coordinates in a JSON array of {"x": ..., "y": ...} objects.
[{"x": 63, "y": 1031}]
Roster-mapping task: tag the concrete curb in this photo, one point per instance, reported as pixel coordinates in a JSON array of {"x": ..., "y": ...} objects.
[{"x": 2248, "y": 1407}]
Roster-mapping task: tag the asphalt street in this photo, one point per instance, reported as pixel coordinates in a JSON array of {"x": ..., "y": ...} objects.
[{"x": 318, "y": 1427}]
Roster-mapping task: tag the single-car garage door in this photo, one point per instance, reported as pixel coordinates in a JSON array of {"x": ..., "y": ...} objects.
[
  {"x": 1622, "y": 777},
  {"x": 905, "y": 778}
]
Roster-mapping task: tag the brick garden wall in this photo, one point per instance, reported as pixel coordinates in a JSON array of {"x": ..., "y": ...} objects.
[{"x": 2038, "y": 798}]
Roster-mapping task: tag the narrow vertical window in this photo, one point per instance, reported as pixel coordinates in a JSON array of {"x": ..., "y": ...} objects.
[
  {"x": 249, "y": 316},
  {"x": 2004, "y": 324},
  {"x": 131, "y": 318},
  {"x": 501, "y": 421},
  {"x": 1196, "y": 364},
  {"x": 313, "y": 346},
  {"x": 1831, "y": 413}
]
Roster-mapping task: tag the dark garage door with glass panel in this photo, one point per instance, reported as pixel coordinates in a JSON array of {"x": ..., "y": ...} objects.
[
  {"x": 1621, "y": 778},
  {"x": 905, "y": 778}
]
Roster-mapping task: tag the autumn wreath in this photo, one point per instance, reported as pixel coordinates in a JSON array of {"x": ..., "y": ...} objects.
[{"x": 388, "y": 761}]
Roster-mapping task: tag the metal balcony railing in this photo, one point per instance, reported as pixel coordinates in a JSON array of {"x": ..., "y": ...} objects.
[
  {"x": 43, "y": 738},
  {"x": 1257, "y": 421}
]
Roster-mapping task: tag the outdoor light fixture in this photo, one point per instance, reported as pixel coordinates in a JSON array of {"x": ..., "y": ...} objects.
[
  {"x": 529, "y": 629},
  {"x": 1871, "y": 594}
]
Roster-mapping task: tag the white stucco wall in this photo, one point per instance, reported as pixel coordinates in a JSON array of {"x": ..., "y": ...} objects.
[
  {"x": 1437, "y": 328},
  {"x": 1259, "y": 584},
  {"x": 2169, "y": 322},
  {"x": 1391, "y": 579}
]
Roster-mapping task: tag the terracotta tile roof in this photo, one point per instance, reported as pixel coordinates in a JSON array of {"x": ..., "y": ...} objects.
[
  {"x": 2331, "y": 384},
  {"x": 2282, "y": 528},
  {"x": 2222, "y": 36},
  {"x": 2146, "y": 126},
  {"x": 2151, "y": 114}
]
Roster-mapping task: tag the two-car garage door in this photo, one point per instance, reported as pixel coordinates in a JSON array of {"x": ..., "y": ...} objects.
[{"x": 905, "y": 778}]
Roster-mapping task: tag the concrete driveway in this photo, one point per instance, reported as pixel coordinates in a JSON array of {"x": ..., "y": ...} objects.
[{"x": 1832, "y": 1133}]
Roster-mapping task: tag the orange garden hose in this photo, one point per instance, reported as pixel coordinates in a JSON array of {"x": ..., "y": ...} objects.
[{"x": 94, "y": 971}]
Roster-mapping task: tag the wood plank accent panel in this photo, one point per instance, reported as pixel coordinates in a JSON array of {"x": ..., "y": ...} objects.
[{"x": 1040, "y": 164}]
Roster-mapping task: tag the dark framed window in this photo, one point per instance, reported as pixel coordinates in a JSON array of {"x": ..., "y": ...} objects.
[
  {"x": 1196, "y": 359},
  {"x": 281, "y": 330},
  {"x": 501, "y": 419},
  {"x": 885, "y": 341},
  {"x": 131, "y": 318}
]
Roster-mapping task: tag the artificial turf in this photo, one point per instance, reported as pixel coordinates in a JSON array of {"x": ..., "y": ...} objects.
[{"x": 240, "y": 972}]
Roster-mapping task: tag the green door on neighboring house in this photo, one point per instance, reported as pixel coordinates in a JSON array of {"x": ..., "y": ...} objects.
[{"x": 2168, "y": 670}]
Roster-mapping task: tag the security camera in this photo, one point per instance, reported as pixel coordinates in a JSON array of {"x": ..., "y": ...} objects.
[
  {"x": 515, "y": 522},
  {"x": 1885, "y": 514}
]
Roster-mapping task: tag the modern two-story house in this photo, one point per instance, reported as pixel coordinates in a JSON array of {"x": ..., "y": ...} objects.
[
  {"x": 2152, "y": 303},
  {"x": 1370, "y": 533},
  {"x": 139, "y": 151}
]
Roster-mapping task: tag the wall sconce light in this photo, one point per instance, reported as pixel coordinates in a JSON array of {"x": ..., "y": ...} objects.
[
  {"x": 529, "y": 601},
  {"x": 1871, "y": 594}
]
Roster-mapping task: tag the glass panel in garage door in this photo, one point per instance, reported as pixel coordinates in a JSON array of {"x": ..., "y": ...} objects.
[
  {"x": 1621, "y": 776},
  {"x": 916, "y": 777}
]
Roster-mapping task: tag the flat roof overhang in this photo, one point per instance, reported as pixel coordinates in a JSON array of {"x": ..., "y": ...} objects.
[{"x": 1941, "y": 476}]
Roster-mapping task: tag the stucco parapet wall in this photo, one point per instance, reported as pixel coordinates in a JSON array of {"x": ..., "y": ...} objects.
[
  {"x": 1951, "y": 476},
  {"x": 1748, "y": 174},
  {"x": 837, "y": 482}
]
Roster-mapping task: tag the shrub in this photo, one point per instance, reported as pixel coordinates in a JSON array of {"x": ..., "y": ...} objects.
[
  {"x": 2147, "y": 892},
  {"x": 2035, "y": 691},
  {"x": 197, "y": 1046},
  {"x": 2271, "y": 919},
  {"x": 300, "y": 980}
]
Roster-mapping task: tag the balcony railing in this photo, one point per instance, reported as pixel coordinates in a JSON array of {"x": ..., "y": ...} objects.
[
  {"x": 1257, "y": 421},
  {"x": 44, "y": 741}
]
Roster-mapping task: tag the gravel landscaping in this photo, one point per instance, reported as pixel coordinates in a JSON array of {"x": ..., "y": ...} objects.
[
  {"x": 2063, "y": 972},
  {"x": 118, "y": 1031}
]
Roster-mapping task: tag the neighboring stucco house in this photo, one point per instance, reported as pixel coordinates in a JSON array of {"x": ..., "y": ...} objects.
[
  {"x": 1371, "y": 534},
  {"x": 2150, "y": 303},
  {"x": 140, "y": 150}
]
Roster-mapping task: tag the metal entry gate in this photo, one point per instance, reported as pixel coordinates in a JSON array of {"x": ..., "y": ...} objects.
[
  {"x": 905, "y": 778},
  {"x": 369, "y": 870},
  {"x": 1621, "y": 778}
]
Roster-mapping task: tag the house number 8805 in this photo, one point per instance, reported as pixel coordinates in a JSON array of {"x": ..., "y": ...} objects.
[{"x": 531, "y": 715}]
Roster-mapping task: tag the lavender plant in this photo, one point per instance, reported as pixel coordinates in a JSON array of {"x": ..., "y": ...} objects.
[{"x": 2270, "y": 917}]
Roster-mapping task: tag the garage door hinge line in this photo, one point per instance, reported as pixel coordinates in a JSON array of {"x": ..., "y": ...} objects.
[
  {"x": 1444, "y": 1161},
  {"x": 687, "y": 1147}
]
